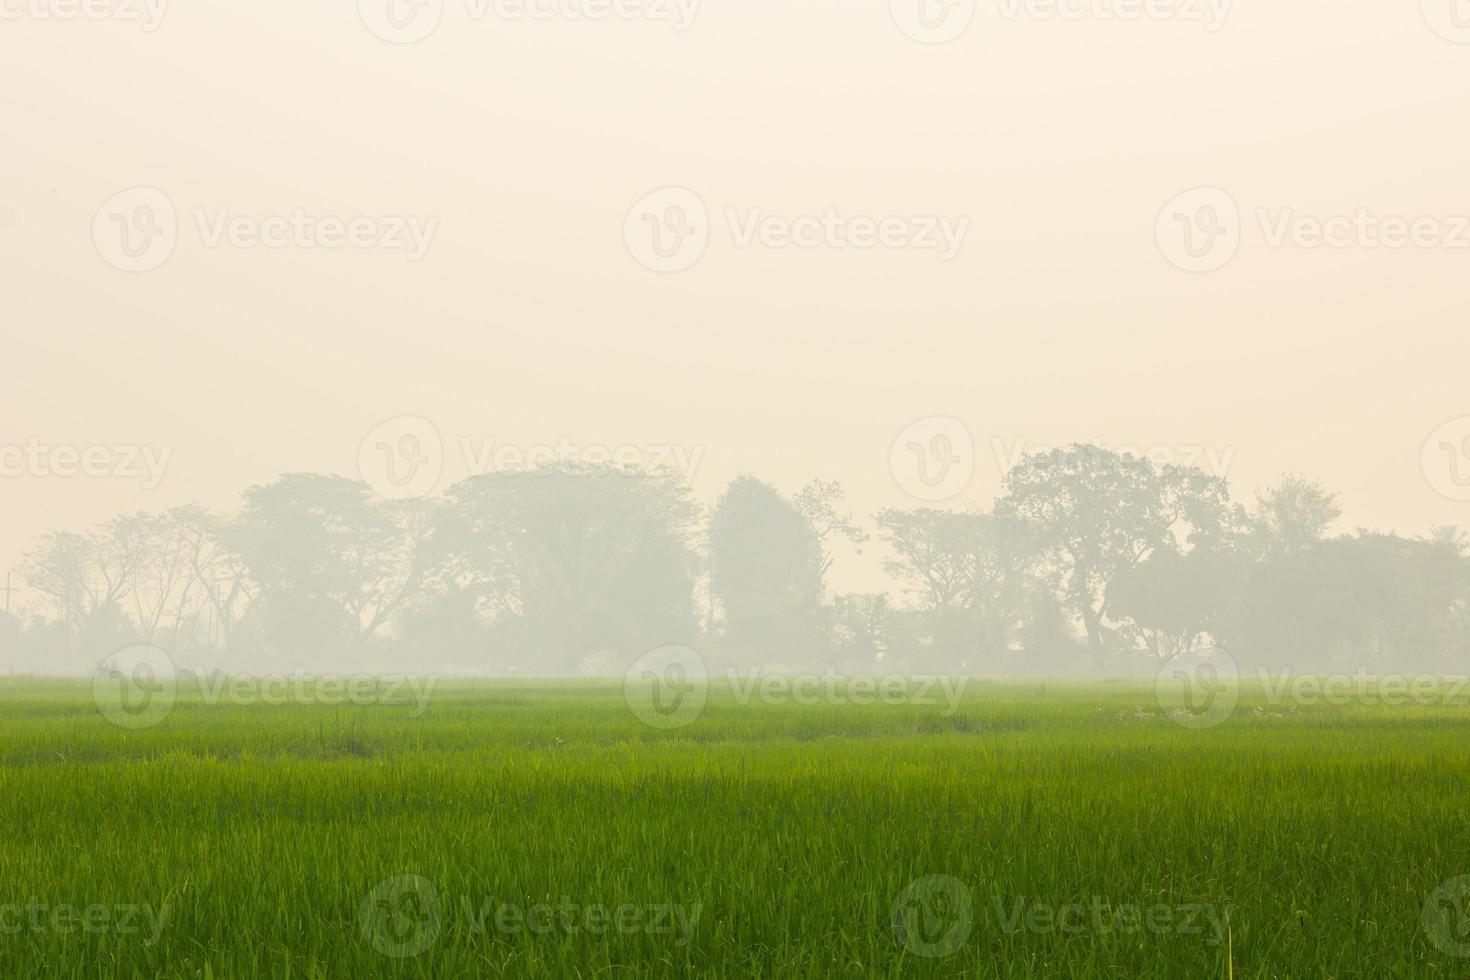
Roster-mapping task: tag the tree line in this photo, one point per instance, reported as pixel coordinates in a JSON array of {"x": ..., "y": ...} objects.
[{"x": 1088, "y": 560}]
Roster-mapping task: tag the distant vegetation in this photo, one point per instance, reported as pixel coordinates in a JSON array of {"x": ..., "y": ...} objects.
[{"x": 1089, "y": 560}]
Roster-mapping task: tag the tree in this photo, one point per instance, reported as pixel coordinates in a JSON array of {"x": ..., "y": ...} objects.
[
  {"x": 973, "y": 573},
  {"x": 59, "y": 568},
  {"x": 860, "y": 628},
  {"x": 935, "y": 551},
  {"x": 1177, "y": 598},
  {"x": 1449, "y": 539},
  {"x": 333, "y": 562},
  {"x": 570, "y": 560},
  {"x": 10, "y": 634},
  {"x": 1100, "y": 513},
  {"x": 766, "y": 566},
  {"x": 1293, "y": 516},
  {"x": 165, "y": 578},
  {"x": 219, "y": 572},
  {"x": 817, "y": 503},
  {"x": 446, "y": 627},
  {"x": 87, "y": 577}
]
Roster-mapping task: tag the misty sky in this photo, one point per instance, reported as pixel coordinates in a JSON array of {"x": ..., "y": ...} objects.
[{"x": 528, "y": 318}]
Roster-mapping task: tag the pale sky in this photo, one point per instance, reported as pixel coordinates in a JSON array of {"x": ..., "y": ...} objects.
[{"x": 521, "y": 144}]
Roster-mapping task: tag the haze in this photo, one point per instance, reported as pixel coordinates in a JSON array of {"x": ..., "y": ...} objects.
[{"x": 528, "y": 320}]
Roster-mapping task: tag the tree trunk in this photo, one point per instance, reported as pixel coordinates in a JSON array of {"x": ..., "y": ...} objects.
[{"x": 1093, "y": 623}]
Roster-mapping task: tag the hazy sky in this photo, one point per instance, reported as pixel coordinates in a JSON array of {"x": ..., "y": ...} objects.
[{"x": 499, "y": 287}]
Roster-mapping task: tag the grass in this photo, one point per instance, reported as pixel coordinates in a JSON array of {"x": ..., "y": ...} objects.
[{"x": 256, "y": 838}]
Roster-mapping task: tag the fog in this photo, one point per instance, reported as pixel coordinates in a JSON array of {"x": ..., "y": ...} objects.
[
  {"x": 477, "y": 339},
  {"x": 1091, "y": 561}
]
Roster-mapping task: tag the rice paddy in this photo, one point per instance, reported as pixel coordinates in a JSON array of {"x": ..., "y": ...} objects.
[{"x": 542, "y": 829}]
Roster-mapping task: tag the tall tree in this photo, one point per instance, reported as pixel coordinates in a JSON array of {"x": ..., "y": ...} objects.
[
  {"x": 818, "y": 504},
  {"x": 973, "y": 575},
  {"x": 332, "y": 561},
  {"x": 1294, "y": 515},
  {"x": 1100, "y": 513},
  {"x": 87, "y": 577},
  {"x": 1178, "y": 599},
  {"x": 766, "y": 567},
  {"x": 571, "y": 560},
  {"x": 219, "y": 572}
]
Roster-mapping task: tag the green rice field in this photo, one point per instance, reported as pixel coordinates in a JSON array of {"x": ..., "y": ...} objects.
[{"x": 543, "y": 829}]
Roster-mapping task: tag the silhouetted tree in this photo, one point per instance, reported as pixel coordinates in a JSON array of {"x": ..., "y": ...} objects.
[
  {"x": 571, "y": 560},
  {"x": 973, "y": 573},
  {"x": 332, "y": 561},
  {"x": 766, "y": 564},
  {"x": 1099, "y": 513},
  {"x": 1293, "y": 516}
]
